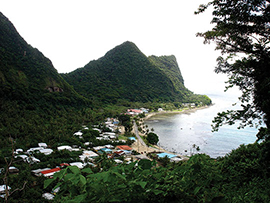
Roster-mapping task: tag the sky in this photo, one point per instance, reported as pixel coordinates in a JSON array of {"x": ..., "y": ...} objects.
[{"x": 73, "y": 33}]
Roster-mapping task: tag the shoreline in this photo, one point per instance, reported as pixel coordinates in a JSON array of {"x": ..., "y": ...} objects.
[
  {"x": 182, "y": 111},
  {"x": 145, "y": 149}
]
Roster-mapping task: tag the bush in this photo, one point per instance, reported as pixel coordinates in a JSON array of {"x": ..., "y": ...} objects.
[{"x": 152, "y": 138}]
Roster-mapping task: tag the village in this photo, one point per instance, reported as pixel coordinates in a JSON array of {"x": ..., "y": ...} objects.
[{"x": 117, "y": 147}]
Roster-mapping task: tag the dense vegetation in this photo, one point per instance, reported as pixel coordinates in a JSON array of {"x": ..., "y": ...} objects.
[
  {"x": 126, "y": 74},
  {"x": 238, "y": 177},
  {"x": 30, "y": 113}
]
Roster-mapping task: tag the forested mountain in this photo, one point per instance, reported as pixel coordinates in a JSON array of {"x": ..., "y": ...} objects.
[
  {"x": 24, "y": 69},
  {"x": 36, "y": 105},
  {"x": 32, "y": 93},
  {"x": 125, "y": 73},
  {"x": 169, "y": 66},
  {"x": 35, "y": 99}
]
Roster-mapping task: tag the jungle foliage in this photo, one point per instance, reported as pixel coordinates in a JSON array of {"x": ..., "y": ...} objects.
[
  {"x": 238, "y": 177},
  {"x": 125, "y": 73},
  {"x": 152, "y": 138},
  {"x": 241, "y": 33},
  {"x": 30, "y": 113}
]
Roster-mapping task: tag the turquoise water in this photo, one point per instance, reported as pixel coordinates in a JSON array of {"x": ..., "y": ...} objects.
[{"x": 179, "y": 132}]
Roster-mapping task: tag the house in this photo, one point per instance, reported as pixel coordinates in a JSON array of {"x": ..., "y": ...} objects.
[
  {"x": 164, "y": 154},
  {"x": 65, "y": 147},
  {"x": 119, "y": 153},
  {"x": 37, "y": 172},
  {"x": 3, "y": 190},
  {"x": 42, "y": 144},
  {"x": 63, "y": 165},
  {"x": 109, "y": 146},
  {"x": 50, "y": 172},
  {"x": 24, "y": 157},
  {"x": 112, "y": 137},
  {"x": 34, "y": 149},
  {"x": 13, "y": 169},
  {"x": 18, "y": 151},
  {"x": 106, "y": 150},
  {"x": 79, "y": 133},
  {"x": 134, "y": 111},
  {"x": 124, "y": 147},
  {"x": 109, "y": 133},
  {"x": 97, "y": 130},
  {"x": 32, "y": 160},
  {"x": 46, "y": 151},
  {"x": 190, "y": 105},
  {"x": 88, "y": 155},
  {"x": 27, "y": 159},
  {"x": 132, "y": 138},
  {"x": 78, "y": 164},
  {"x": 127, "y": 152},
  {"x": 144, "y": 110},
  {"x": 76, "y": 149},
  {"x": 118, "y": 161},
  {"x": 141, "y": 156},
  {"x": 115, "y": 122},
  {"x": 48, "y": 196},
  {"x": 176, "y": 159},
  {"x": 97, "y": 148}
]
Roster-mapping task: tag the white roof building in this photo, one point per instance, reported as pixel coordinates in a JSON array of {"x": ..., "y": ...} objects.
[
  {"x": 32, "y": 160},
  {"x": 46, "y": 151},
  {"x": 78, "y": 164},
  {"x": 79, "y": 133},
  {"x": 36, "y": 172},
  {"x": 88, "y": 155},
  {"x": 64, "y": 147},
  {"x": 109, "y": 146},
  {"x": 17, "y": 151},
  {"x": 97, "y": 130},
  {"x": 98, "y": 148},
  {"x": 24, "y": 157},
  {"x": 29, "y": 151},
  {"x": 176, "y": 159},
  {"x": 48, "y": 196},
  {"x": 118, "y": 161},
  {"x": 42, "y": 144},
  {"x": 3, "y": 188}
]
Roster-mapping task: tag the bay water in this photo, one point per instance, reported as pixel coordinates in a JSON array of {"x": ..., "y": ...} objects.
[{"x": 179, "y": 132}]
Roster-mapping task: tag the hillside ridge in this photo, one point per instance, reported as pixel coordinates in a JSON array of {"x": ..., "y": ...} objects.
[{"x": 125, "y": 73}]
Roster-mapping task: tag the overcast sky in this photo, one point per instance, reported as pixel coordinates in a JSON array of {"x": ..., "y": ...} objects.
[{"x": 72, "y": 33}]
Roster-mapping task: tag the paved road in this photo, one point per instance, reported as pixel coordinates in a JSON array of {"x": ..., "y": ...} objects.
[{"x": 137, "y": 134}]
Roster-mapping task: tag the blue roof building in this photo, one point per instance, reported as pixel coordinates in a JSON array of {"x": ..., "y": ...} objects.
[{"x": 162, "y": 155}]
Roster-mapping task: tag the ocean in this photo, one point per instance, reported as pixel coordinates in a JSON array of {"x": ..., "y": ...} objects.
[{"x": 178, "y": 133}]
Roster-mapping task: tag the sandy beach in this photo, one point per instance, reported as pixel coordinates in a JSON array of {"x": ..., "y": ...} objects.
[{"x": 185, "y": 111}]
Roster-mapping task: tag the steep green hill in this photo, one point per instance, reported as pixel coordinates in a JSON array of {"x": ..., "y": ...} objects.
[
  {"x": 125, "y": 73},
  {"x": 24, "y": 70},
  {"x": 34, "y": 98},
  {"x": 169, "y": 66}
]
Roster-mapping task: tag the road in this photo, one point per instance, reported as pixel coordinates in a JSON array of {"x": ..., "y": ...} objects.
[{"x": 137, "y": 134}]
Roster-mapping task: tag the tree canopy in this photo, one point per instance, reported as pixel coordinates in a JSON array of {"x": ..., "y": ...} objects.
[
  {"x": 152, "y": 138},
  {"x": 241, "y": 32}
]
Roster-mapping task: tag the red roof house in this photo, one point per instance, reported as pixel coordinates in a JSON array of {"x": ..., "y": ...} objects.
[
  {"x": 124, "y": 147},
  {"x": 50, "y": 172}
]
